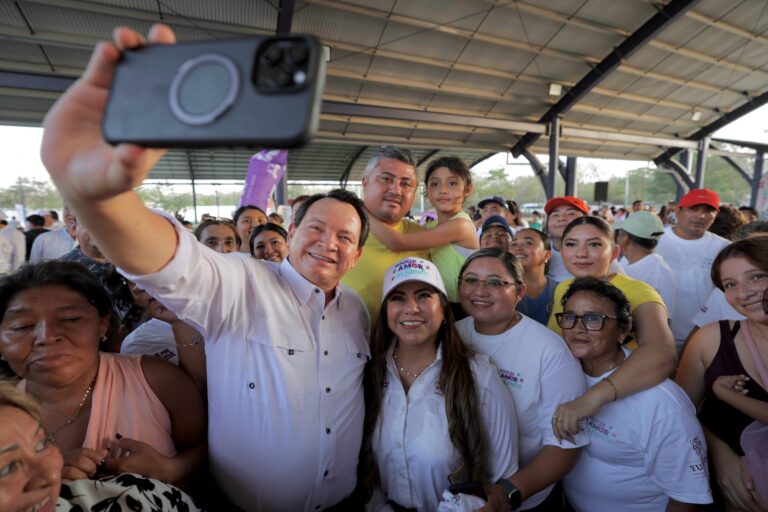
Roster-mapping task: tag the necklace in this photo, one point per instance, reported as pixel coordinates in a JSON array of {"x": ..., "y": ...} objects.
[
  {"x": 402, "y": 369},
  {"x": 614, "y": 363},
  {"x": 68, "y": 422}
]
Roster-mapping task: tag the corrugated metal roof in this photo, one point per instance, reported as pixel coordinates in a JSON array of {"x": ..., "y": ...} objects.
[{"x": 493, "y": 60}]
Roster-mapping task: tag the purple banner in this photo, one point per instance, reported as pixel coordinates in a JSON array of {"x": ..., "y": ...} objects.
[{"x": 264, "y": 171}]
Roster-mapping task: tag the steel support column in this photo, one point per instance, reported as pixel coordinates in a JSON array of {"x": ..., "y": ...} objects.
[
  {"x": 344, "y": 178},
  {"x": 679, "y": 171},
  {"x": 538, "y": 168},
  {"x": 570, "y": 176},
  {"x": 759, "y": 168},
  {"x": 285, "y": 17},
  {"x": 739, "y": 169},
  {"x": 701, "y": 162},
  {"x": 192, "y": 179},
  {"x": 554, "y": 156},
  {"x": 281, "y": 190}
]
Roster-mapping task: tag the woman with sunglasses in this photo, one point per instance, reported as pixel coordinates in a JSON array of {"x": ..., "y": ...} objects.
[
  {"x": 537, "y": 368},
  {"x": 588, "y": 248},
  {"x": 647, "y": 451},
  {"x": 724, "y": 369}
]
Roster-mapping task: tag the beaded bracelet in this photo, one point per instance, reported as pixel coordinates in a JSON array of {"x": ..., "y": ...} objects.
[{"x": 198, "y": 339}]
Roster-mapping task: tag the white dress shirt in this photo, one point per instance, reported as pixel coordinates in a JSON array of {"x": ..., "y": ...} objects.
[
  {"x": 411, "y": 443},
  {"x": 285, "y": 400}
]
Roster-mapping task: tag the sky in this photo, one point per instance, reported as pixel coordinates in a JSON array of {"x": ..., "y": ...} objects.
[{"x": 20, "y": 150}]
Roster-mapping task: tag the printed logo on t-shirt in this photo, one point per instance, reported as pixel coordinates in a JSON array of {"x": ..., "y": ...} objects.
[
  {"x": 511, "y": 379},
  {"x": 700, "y": 449},
  {"x": 601, "y": 430}
]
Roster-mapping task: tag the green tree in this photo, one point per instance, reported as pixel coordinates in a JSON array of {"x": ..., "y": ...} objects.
[{"x": 33, "y": 194}]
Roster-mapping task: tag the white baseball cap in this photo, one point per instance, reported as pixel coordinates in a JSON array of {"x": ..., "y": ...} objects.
[{"x": 412, "y": 269}]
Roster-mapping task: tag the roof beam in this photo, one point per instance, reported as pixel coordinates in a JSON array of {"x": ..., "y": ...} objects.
[
  {"x": 655, "y": 43},
  {"x": 285, "y": 17},
  {"x": 727, "y": 27},
  {"x": 745, "y": 143},
  {"x": 647, "y": 31},
  {"x": 725, "y": 119}
]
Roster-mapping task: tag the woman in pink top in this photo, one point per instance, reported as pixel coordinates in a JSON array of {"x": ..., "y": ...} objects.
[{"x": 107, "y": 413}]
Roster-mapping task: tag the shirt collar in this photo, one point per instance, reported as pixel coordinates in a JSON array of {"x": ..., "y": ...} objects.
[{"x": 302, "y": 288}]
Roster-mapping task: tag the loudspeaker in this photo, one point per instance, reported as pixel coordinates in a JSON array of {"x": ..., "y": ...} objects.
[{"x": 601, "y": 191}]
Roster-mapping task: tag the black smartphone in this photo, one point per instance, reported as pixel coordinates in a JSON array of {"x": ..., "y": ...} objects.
[
  {"x": 254, "y": 92},
  {"x": 471, "y": 488}
]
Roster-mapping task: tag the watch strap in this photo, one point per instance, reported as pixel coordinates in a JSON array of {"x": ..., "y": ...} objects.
[{"x": 513, "y": 493}]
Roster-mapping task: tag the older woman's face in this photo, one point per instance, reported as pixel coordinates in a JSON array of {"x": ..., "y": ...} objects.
[
  {"x": 586, "y": 344},
  {"x": 588, "y": 252},
  {"x": 50, "y": 335},
  {"x": 744, "y": 285},
  {"x": 30, "y": 467}
]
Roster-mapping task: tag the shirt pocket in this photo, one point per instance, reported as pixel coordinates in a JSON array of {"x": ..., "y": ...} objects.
[{"x": 281, "y": 371}]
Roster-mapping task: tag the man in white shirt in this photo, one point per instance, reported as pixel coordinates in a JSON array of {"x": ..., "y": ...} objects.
[
  {"x": 689, "y": 249},
  {"x": 286, "y": 344},
  {"x": 17, "y": 241},
  {"x": 637, "y": 238},
  {"x": 55, "y": 243}
]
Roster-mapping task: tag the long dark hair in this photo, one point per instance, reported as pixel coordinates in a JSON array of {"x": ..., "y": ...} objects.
[
  {"x": 754, "y": 249},
  {"x": 457, "y": 383}
]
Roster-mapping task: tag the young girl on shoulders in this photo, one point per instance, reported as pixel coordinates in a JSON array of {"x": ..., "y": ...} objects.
[{"x": 452, "y": 237}]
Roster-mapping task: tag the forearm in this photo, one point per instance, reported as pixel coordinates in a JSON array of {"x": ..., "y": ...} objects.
[
  {"x": 181, "y": 467},
  {"x": 128, "y": 233},
  {"x": 191, "y": 350},
  {"x": 648, "y": 365},
  {"x": 755, "y": 409},
  {"x": 386, "y": 235},
  {"x": 549, "y": 466}
]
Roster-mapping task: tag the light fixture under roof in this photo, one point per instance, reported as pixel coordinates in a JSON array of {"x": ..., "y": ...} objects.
[
  {"x": 696, "y": 115},
  {"x": 555, "y": 89}
]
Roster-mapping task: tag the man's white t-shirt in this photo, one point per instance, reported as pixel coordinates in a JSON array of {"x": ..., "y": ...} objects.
[
  {"x": 691, "y": 262},
  {"x": 541, "y": 373},
  {"x": 645, "y": 449},
  {"x": 715, "y": 309},
  {"x": 652, "y": 269}
]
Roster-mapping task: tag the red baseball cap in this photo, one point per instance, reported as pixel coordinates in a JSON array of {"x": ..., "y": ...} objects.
[
  {"x": 573, "y": 201},
  {"x": 700, "y": 196}
]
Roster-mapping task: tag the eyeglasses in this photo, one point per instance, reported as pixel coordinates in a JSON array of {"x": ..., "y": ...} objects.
[
  {"x": 590, "y": 321},
  {"x": 492, "y": 283}
]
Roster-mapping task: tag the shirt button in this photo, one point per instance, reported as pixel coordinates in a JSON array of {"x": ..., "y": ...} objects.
[
  {"x": 251, "y": 385},
  {"x": 317, "y": 507},
  {"x": 327, "y": 390},
  {"x": 327, "y": 431},
  {"x": 325, "y": 352},
  {"x": 317, "y": 291},
  {"x": 325, "y": 473},
  {"x": 323, "y": 317}
]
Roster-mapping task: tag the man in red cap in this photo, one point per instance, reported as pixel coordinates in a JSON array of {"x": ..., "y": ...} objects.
[
  {"x": 561, "y": 211},
  {"x": 689, "y": 249}
]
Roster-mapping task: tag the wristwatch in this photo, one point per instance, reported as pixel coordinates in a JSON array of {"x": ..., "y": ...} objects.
[{"x": 513, "y": 493}]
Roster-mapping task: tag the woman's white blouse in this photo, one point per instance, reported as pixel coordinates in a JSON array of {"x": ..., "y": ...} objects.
[{"x": 411, "y": 444}]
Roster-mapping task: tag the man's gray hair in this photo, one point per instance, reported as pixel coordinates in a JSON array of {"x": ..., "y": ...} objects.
[{"x": 393, "y": 152}]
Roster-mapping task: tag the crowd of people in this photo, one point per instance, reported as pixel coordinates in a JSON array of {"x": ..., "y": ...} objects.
[{"x": 356, "y": 360}]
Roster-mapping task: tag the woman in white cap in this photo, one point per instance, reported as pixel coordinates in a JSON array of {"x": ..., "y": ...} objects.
[{"x": 435, "y": 415}]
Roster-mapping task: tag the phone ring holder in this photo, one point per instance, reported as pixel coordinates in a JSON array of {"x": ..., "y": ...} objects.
[{"x": 192, "y": 84}]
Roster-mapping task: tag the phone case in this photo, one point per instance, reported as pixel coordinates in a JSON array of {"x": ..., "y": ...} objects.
[{"x": 230, "y": 93}]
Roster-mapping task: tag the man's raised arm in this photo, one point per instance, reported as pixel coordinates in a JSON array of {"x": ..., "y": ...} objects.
[{"x": 97, "y": 179}]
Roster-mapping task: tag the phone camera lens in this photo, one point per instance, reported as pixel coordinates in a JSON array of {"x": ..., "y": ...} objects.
[
  {"x": 273, "y": 55},
  {"x": 298, "y": 54}
]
